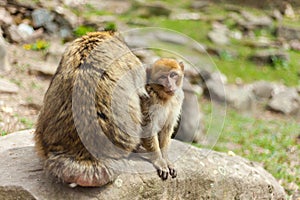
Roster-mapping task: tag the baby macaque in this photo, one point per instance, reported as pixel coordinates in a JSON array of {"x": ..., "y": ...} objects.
[{"x": 161, "y": 111}]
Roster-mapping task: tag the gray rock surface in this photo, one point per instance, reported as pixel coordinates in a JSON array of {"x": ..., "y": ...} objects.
[
  {"x": 152, "y": 9},
  {"x": 102, "y": 19},
  {"x": 4, "y": 64},
  {"x": 253, "y": 21},
  {"x": 25, "y": 30},
  {"x": 288, "y": 33},
  {"x": 295, "y": 45},
  {"x": 202, "y": 174},
  {"x": 147, "y": 56},
  {"x": 239, "y": 98},
  {"x": 186, "y": 16},
  {"x": 286, "y": 102},
  {"x": 14, "y": 35},
  {"x": 191, "y": 125},
  {"x": 215, "y": 85},
  {"x": 265, "y": 57},
  {"x": 43, "y": 68},
  {"x": 215, "y": 90},
  {"x": 288, "y": 11},
  {"x": 17, "y": 140},
  {"x": 260, "y": 42},
  {"x": 137, "y": 40},
  {"x": 42, "y": 17},
  {"x": 53, "y": 22},
  {"x": 55, "y": 53},
  {"x": 261, "y": 4},
  {"x": 197, "y": 5},
  {"x": 277, "y": 15},
  {"x": 263, "y": 89},
  {"x": 218, "y": 36},
  {"x": 20, "y": 33},
  {"x": 218, "y": 76},
  {"x": 174, "y": 38},
  {"x": 72, "y": 18},
  {"x": 5, "y": 16},
  {"x": 8, "y": 87}
]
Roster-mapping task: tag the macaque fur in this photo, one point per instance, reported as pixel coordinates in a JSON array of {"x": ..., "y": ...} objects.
[
  {"x": 161, "y": 112},
  {"x": 67, "y": 134}
]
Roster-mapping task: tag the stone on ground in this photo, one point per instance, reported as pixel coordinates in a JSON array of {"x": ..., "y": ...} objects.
[
  {"x": 202, "y": 174},
  {"x": 8, "y": 87},
  {"x": 286, "y": 102},
  {"x": 4, "y": 64}
]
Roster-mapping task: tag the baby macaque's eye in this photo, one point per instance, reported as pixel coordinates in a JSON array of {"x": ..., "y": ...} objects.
[
  {"x": 173, "y": 74},
  {"x": 163, "y": 77}
]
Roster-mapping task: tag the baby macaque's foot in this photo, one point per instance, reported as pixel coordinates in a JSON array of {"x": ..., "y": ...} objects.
[
  {"x": 172, "y": 170},
  {"x": 162, "y": 168}
]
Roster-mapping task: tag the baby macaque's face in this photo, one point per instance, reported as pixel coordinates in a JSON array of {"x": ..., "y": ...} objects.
[
  {"x": 167, "y": 73},
  {"x": 169, "y": 81}
]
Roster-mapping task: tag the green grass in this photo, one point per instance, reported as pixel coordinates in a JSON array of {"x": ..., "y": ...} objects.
[
  {"x": 215, "y": 11},
  {"x": 89, "y": 10},
  {"x": 35, "y": 85},
  {"x": 110, "y": 26},
  {"x": 197, "y": 30},
  {"x": 291, "y": 22},
  {"x": 22, "y": 67},
  {"x": 17, "y": 82},
  {"x": 246, "y": 70},
  {"x": 3, "y": 133},
  {"x": 177, "y": 4},
  {"x": 25, "y": 121},
  {"x": 82, "y": 30},
  {"x": 239, "y": 66},
  {"x": 29, "y": 99},
  {"x": 270, "y": 142}
]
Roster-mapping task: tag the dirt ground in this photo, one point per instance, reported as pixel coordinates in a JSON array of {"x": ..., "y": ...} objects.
[{"x": 19, "y": 111}]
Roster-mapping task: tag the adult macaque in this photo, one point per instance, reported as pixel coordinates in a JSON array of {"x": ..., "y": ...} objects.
[{"x": 77, "y": 131}]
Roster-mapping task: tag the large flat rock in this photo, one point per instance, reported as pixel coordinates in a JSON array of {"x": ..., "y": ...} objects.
[
  {"x": 202, "y": 174},
  {"x": 17, "y": 140}
]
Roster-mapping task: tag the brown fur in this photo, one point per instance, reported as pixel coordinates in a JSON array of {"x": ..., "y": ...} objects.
[
  {"x": 161, "y": 111},
  {"x": 87, "y": 84}
]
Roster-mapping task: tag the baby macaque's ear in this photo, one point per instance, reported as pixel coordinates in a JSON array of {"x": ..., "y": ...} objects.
[{"x": 181, "y": 65}]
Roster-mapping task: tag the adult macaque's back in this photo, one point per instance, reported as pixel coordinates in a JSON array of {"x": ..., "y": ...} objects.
[{"x": 91, "y": 112}]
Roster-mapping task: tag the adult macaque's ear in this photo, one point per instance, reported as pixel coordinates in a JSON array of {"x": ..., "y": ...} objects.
[{"x": 181, "y": 65}]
